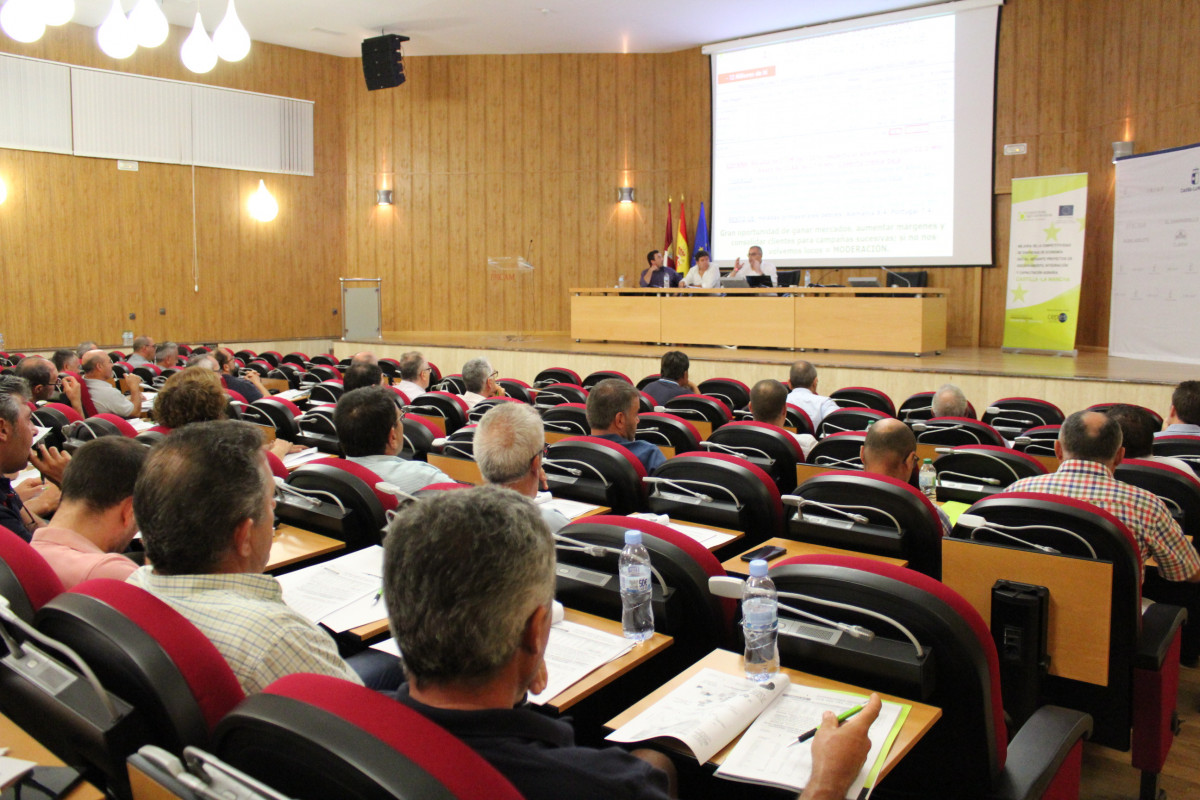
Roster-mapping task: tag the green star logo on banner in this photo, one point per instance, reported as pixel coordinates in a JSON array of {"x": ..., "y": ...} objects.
[
  {"x": 1028, "y": 257},
  {"x": 1051, "y": 233},
  {"x": 1019, "y": 294}
]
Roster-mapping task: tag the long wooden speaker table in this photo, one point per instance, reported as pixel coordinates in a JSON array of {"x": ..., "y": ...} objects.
[{"x": 891, "y": 320}]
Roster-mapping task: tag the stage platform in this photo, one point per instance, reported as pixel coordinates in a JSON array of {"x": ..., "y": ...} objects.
[{"x": 985, "y": 374}]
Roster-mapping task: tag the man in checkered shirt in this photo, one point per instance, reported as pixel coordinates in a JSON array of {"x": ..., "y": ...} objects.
[{"x": 1089, "y": 446}]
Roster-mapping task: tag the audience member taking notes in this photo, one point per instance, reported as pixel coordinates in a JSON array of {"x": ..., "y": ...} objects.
[{"x": 475, "y": 647}]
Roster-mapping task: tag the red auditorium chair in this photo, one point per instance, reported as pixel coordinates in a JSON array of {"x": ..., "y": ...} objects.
[
  {"x": 649, "y": 379},
  {"x": 518, "y": 390},
  {"x": 668, "y": 430},
  {"x": 1186, "y": 448},
  {"x": 354, "y": 510},
  {"x": 26, "y": 580},
  {"x": 484, "y": 406},
  {"x": 418, "y": 438},
  {"x": 839, "y": 451},
  {"x": 597, "y": 471},
  {"x": 85, "y": 394},
  {"x": 848, "y": 420},
  {"x": 604, "y": 374},
  {"x": 864, "y": 397},
  {"x": 920, "y": 407},
  {"x": 955, "y": 431},
  {"x": 772, "y": 449},
  {"x": 450, "y": 407},
  {"x": 1012, "y": 416},
  {"x": 568, "y": 418},
  {"x": 556, "y": 375},
  {"x": 868, "y": 513},
  {"x": 318, "y": 736},
  {"x": 720, "y": 490},
  {"x": 685, "y": 609},
  {"x": 733, "y": 393},
  {"x": 149, "y": 655},
  {"x": 700, "y": 407},
  {"x": 277, "y": 413},
  {"x": 272, "y": 357},
  {"x": 296, "y": 358},
  {"x": 798, "y": 418},
  {"x": 554, "y": 394},
  {"x": 928, "y": 645},
  {"x": 1134, "y": 708},
  {"x": 974, "y": 471},
  {"x": 1038, "y": 441}
]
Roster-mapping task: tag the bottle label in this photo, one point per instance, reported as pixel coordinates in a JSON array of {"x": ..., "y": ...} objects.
[
  {"x": 635, "y": 579},
  {"x": 759, "y": 612}
]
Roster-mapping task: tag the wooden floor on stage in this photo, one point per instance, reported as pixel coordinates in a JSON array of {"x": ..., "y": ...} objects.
[{"x": 1088, "y": 365}]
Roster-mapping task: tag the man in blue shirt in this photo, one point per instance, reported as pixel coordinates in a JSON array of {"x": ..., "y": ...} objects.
[
  {"x": 657, "y": 275},
  {"x": 673, "y": 379},
  {"x": 1184, "y": 417},
  {"x": 612, "y": 413}
]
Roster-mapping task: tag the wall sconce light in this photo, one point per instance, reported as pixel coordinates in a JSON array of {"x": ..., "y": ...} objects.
[
  {"x": 1121, "y": 149},
  {"x": 3, "y": 192},
  {"x": 383, "y": 197},
  {"x": 262, "y": 205},
  {"x": 625, "y": 194}
]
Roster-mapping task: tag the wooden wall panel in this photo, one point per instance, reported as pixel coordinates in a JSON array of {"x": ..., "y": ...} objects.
[{"x": 82, "y": 245}]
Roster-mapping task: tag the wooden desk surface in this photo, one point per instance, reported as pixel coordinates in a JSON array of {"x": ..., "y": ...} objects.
[
  {"x": 291, "y": 545},
  {"x": 461, "y": 469},
  {"x": 919, "y": 721},
  {"x": 597, "y": 680},
  {"x": 21, "y": 745},
  {"x": 736, "y": 566}
]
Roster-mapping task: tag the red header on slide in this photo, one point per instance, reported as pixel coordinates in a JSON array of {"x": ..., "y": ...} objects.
[{"x": 746, "y": 75}]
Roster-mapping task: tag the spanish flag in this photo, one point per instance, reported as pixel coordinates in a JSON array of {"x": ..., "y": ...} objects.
[
  {"x": 681, "y": 241},
  {"x": 668, "y": 251}
]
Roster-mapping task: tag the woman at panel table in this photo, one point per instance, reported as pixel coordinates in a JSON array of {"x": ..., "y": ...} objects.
[{"x": 704, "y": 275}]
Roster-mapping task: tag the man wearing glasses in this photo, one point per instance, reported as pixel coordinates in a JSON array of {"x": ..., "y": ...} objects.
[
  {"x": 506, "y": 436},
  {"x": 45, "y": 382},
  {"x": 480, "y": 380},
  {"x": 414, "y": 375}
]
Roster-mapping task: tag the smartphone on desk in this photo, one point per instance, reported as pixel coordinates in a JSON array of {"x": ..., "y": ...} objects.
[{"x": 766, "y": 553}]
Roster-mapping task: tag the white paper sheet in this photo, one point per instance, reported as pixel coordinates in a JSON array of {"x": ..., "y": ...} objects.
[
  {"x": 571, "y": 509},
  {"x": 340, "y": 591},
  {"x": 575, "y": 651},
  {"x": 705, "y": 713},
  {"x": 292, "y": 460},
  {"x": 766, "y": 755},
  {"x": 13, "y": 769},
  {"x": 709, "y": 538}
]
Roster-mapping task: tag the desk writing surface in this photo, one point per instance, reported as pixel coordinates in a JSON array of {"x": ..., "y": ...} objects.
[
  {"x": 432, "y": 419},
  {"x": 1080, "y": 598},
  {"x": 598, "y": 679},
  {"x": 806, "y": 471},
  {"x": 21, "y": 745},
  {"x": 461, "y": 469},
  {"x": 736, "y": 566},
  {"x": 920, "y": 719},
  {"x": 291, "y": 545},
  {"x": 730, "y": 531}
]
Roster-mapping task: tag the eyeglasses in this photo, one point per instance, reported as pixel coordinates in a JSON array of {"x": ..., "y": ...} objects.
[
  {"x": 544, "y": 452},
  {"x": 427, "y": 369},
  {"x": 495, "y": 374}
]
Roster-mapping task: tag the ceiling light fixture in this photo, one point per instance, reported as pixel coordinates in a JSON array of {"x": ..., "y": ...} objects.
[
  {"x": 22, "y": 20},
  {"x": 262, "y": 204},
  {"x": 115, "y": 35},
  {"x": 231, "y": 37},
  {"x": 198, "y": 53},
  {"x": 150, "y": 26},
  {"x": 57, "y": 12}
]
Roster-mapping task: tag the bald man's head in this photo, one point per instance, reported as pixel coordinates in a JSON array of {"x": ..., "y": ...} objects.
[
  {"x": 890, "y": 449},
  {"x": 1090, "y": 436}
]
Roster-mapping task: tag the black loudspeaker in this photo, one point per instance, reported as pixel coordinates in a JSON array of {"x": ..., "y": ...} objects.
[{"x": 383, "y": 61}]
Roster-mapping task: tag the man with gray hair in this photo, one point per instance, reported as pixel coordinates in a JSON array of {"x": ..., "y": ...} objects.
[
  {"x": 143, "y": 352},
  {"x": 509, "y": 446},
  {"x": 166, "y": 355},
  {"x": 1090, "y": 447},
  {"x": 612, "y": 414},
  {"x": 414, "y": 375},
  {"x": 803, "y": 378},
  {"x": 480, "y": 381},
  {"x": 474, "y": 633},
  {"x": 949, "y": 401}
]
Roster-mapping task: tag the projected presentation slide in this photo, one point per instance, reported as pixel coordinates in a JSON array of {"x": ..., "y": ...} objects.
[{"x": 845, "y": 148}]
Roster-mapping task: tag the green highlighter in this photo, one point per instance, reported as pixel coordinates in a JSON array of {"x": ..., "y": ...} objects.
[{"x": 842, "y": 717}]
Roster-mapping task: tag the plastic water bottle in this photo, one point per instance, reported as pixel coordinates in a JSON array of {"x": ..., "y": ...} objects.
[
  {"x": 760, "y": 623},
  {"x": 637, "y": 615},
  {"x": 808, "y": 277},
  {"x": 927, "y": 478},
  {"x": 621, "y": 282}
]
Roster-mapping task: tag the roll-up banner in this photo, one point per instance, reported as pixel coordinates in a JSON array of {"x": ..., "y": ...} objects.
[{"x": 1045, "y": 263}]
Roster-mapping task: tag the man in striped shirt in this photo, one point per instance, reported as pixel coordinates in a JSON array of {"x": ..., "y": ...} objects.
[{"x": 1089, "y": 446}]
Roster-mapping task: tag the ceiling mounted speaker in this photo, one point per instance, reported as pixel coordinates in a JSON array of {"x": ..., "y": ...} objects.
[{"x": 383, "y": 61}]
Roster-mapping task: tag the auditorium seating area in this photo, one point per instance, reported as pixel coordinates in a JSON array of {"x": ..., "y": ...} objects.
[{"x": 723, "y": 471}]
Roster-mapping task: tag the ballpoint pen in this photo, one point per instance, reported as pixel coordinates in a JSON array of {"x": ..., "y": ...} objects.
[{"x": 842, "y": 717}]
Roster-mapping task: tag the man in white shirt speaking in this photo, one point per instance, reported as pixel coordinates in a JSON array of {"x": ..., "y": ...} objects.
[{"x": 755, "y": 266}]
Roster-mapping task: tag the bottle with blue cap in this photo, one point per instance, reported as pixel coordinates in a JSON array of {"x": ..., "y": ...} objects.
[
  {"x": 637, "y": 614},
  {"x": 760, "y": 623}
]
